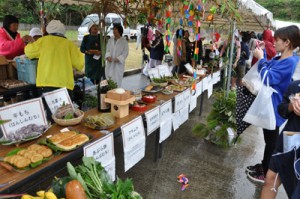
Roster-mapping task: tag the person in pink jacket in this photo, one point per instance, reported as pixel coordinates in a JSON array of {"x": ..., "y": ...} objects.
[{"x": 11, "y": 44}]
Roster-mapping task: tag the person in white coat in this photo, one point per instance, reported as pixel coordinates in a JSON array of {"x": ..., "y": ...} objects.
[{"x": 116, "y": 54}]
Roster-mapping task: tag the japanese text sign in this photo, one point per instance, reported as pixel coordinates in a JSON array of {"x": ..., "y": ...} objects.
[
  {"x": 164, "y": 70},
  {"x": 132, "y": 132},
  {"x": 153, "y": 121},
  {"x": 22, "y": 114},
  {"x": 179, "y": 102},
  {"x": 166, "y": 110},
  {"x": 57, "y": 98}
]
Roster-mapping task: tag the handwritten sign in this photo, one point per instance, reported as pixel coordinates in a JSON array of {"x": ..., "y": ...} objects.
[
  {"x": 166, "y": 110},
  {"x": 164, "y": 70},
  {"x": 179, "y": 102},
  {"x": 165, "y": 130},
  {"x": 186, "y": 97},
  {"x": 204, "y": 84},
  {"x": 153, "y": 73},
  {"x": 216, "y": 77},
  {"x": 209, "y": 88},
  {"x": 199, "y": 88},
  {"x": 22, "y": 114},
  {"x": 176, "y": 120},
  {"x": 133, "y": 154},
  {"x": 102, "y": 150},
  {"x": 153, "y": 121},
  {"x": 57, "y": 98},
  {"x": 193, "y": 103},
  {"x": 132, "y": 132},
  {"x": 184, "y": 114}
]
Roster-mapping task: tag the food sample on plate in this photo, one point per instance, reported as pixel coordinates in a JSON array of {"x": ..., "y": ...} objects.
[
  {"x": 178, "y": 88},
  {"x": 139, "y": 106},
  {"x": 68, "y": 140},
  {"x": 151, "y": 88},
  {"x": 149, "y": 98},
  {"x": 168, "y": 90},
  {"x": 67, "y": 112},
  {"x": 31, "y": 131},
  {"x": 24, "y": 158},
  {"x": 101, "y": 121}
]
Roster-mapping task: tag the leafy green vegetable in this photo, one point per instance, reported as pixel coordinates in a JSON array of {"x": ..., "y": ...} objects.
[
  {"x": 14, "y": 151},
  {"x": 111, "y": 84},
  {"x": 69, "y": 116}
]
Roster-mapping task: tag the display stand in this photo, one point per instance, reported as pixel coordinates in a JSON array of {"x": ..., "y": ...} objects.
[{"x": 120, "y": 109}]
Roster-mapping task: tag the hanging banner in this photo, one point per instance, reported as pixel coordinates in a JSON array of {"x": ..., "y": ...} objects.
[
  {"x": 102, "y": 150},
  {"x": 22, "y": 114},
  {"x": 57, "y": 98},
  {"x": 179, "y": 102},
  {"x": 165, "y": 129},
  {"x": 152, "y": 119}
]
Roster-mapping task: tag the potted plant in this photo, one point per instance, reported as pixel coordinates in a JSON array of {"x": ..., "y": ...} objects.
[{"x": 220, "y": 120}]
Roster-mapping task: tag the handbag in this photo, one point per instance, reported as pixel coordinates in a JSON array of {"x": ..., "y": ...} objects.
[
  {"x": 261, "y": 112},
  {"x": 252, "y": 80}
]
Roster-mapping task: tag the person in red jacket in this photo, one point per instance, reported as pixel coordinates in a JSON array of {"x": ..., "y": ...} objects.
[
  {"x": 268, "y": 39},
  {"x": 11, "y": 44}
]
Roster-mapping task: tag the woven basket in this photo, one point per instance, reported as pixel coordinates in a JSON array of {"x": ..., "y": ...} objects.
[{"x": 68, "y": 122}]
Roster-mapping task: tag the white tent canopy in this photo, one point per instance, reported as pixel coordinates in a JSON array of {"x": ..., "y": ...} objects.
[{"x": 280, "y": 24}]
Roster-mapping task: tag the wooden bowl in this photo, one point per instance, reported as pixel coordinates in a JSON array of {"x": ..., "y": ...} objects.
[{"x": 68, "y": 122}]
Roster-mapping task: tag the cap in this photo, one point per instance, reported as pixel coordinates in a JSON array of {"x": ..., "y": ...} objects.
[
  {"x": 90, "y": 25},
  {"x": 35, "y": 32},
  {"x": 55, "y": 26}
]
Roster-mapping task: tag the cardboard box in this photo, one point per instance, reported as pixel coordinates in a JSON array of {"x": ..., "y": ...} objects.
[
  {"x": 116, "y": 96},
  {"x": 12, "y": 70}
]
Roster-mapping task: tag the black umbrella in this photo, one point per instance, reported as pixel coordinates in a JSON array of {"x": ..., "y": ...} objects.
[{"x": 244, "y": 99}]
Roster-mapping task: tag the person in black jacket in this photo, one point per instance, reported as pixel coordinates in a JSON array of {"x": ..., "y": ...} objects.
[
  {"x": 245, "y": 53},
  {"x": 289, "y": 109},
  {"x": 157, "y": 49}
]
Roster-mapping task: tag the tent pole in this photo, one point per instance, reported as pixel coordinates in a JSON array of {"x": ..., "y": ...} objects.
[{"x": 230, "y": 58}]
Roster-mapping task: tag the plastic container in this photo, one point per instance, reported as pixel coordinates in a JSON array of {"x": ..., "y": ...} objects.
[
  {"x": 149, "y": 98},
  {"x": 27, "y": 70}
]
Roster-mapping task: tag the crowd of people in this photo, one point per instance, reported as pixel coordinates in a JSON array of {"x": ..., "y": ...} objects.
[{"x": 274, "y": 54}]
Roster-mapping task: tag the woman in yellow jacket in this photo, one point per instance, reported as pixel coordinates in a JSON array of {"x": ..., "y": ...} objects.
[{"x": 57, "y": 56}]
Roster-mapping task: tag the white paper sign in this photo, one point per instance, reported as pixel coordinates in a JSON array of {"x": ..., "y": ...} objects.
[
  {"x": 187, "y": 96},
  {"x": 153, "y": 121},
  {"x": 199, "y": 88},
  {"x": 179, "y": 102},
  {"x": 204, "y": 84},
  {"x": 132, "y": 132},
  {"x": 193, "y": 103},
  {"x": 166, "y": 110},
  {"x": 57, "y": 98},
  {"x": 216, "y": 77},
  {"x": 22, "y": 114},
  {"x": 110, "y": 168},
  {"x": 153, "y": 73},
  {"x": 134, "y": 154},
  {"x": 176, "y": 120},
  {"x": 164, "y": 70},
  {"x": 209, "y": 88},
  {"x": 102, "y": 150},
  {"x": 165, "y": 130},
  {"x": 184, "y": 114}
]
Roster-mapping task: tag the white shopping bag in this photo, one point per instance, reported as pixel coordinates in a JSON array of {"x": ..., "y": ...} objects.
[
  {"x": 261, "y": 112},
  {"x": 290, "y": 140},
  {"x": 252, "y": 80}
]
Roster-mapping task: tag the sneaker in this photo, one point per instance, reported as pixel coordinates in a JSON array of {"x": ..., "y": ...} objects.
[
  {"x": 256, "y": 168},
  {"x": 257, "y": 176}
]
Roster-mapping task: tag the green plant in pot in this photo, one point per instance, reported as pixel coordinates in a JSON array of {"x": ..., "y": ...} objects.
[{"x": 221, "y": 117}]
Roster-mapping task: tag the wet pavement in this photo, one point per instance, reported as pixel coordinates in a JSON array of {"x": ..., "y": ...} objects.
[{"x": 213, "y": 173}]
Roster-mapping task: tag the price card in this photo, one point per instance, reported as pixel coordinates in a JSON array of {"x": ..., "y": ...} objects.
[
  {"x": 132, "y": 132},
  {"x": 134, "y": 154},
  {"x": 187, "y": 96},
  {"x": 153, "y": 73},
  {"x": 179, "y": 102},
  {"x": 22, "y": 114},
  {"x": 204, "y": 84},
  {"x": 199, "y": 88},
  {"x": 153, "y": 121},
  {"x": 102, "y": 150},
  {"x": 193, "y": 103},
  {"x": 184, "y": 114},
  {"x": 165, "y": 130},
  {"x": 176, "y": 120},
  {"x": 166, "y": 110},
  {"x": 57, "y": 98},
  {"x": 164, "y": 70}
]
